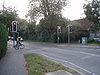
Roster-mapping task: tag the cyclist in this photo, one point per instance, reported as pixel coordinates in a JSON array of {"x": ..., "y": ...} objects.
[
  {"x": 18, "y": 41},
  {"x": 19, "y": 45}
]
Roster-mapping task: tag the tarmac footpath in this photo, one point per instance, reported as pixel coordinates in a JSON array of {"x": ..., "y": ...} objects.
[{"x": 13, "y": 63}]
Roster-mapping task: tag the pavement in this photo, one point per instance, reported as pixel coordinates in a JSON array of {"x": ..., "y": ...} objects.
[
  {"x": 83, "y": 58},
  {"x": 14, "y": 63}
]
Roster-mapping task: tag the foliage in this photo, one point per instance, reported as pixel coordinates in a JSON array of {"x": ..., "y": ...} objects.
[
  {"x": 3, "y": 39},
  {"x": 46, "y": 31},
  {"x": 54, "y": 37},
  {"x": 22, "y": 27},
  {"x": 94, "y": 42},
  {"x": 44, "y": 36},
  {"x": 74, "y": 23},
  {"x": 50, "y": 24},
  {"x": 92, "y": 11},
  {"x": 50, "y": 10},
  {"x": 30, "y": 32},
  {"x": 76, "y": 34},
  {"x": 8, "y": 15},
  {"x": 45, "y": 7},
  {"x": 95, "y": 27},
  {"x": 63, "y": 35}
]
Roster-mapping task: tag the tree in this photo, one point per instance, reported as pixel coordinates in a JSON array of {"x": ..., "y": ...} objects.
[
  {"x": 22, "y": 26},
  {"x": 92, "y": 11},
  {"x": 50, "y": 24},
  {"x": 30, "y": 32},
  {"x": 45, "y": 7},
  {"x": 50, "y": 10},
  {"x": 75, "y": 30},
  {"x": 8, "y": 15},
  {"x": 3, "y": 39}
]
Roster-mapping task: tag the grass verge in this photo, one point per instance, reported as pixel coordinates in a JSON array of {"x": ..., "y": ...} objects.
[
  {"x": 39, "y": 65},
  {"x": 95, "y": 44}
]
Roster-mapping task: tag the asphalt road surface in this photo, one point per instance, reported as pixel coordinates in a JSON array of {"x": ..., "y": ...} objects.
[{"x": 83, "y": 58}]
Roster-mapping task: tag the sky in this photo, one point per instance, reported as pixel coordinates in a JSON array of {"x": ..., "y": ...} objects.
[{"x": 73, "y": 11}]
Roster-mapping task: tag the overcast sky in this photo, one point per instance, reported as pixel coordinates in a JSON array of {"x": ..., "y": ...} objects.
[{"x": 72, "y": 12}]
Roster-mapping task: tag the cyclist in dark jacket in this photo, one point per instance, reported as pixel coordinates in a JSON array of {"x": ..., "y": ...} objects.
[{"x": 18, "y": 41}]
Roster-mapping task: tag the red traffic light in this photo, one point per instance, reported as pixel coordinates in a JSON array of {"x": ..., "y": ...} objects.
[
  {"x": 14, "y": 26},
  {"x": 14, "y": 23},
  {"x": 58, "y": 29}
]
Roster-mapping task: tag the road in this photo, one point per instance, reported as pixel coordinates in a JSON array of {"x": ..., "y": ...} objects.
[{"x": 83, "y": 58}]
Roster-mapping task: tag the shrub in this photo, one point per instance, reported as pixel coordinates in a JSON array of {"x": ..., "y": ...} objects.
[
  {"x": 44, "y": 36},
  {"x": 3, "y": 39},
  {"x": 54, "y": 37}
]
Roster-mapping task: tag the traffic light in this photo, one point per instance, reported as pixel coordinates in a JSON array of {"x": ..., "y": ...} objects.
[
  {"x": 14, "y": 26},
  {"x": 58, "y": 29},
  {"x": 71, "y": 29}
]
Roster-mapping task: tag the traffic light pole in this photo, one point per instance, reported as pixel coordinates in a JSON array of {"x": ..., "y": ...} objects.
[
  {"x": 58, "y": 32},
  {"x": 13, "y": 39},
  {"x": 68, "y": 34},
  {"x": 69, "y": 31},
  {"x": 58, "y": 37}
]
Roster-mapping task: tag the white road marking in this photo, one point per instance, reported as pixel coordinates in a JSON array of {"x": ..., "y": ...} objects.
[
  {"x": 90, "y": 54},
  {"x": 86, "y": 57},
  {"x": 69, "y": 63}
]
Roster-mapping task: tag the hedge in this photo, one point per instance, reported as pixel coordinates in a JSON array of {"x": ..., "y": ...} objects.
[{"x": 3, "y": 39}]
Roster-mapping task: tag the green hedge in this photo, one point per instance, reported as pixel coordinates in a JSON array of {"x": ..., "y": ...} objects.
[{"x": 3, "y": 39}]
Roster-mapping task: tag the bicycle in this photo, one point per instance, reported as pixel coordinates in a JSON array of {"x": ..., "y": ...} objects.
[{"x": 19, "y": 46}]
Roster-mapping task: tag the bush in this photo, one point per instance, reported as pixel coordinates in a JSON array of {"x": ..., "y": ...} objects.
[
  {"x": 3, "y": 40},
  {"x": 54, "y": 37},
  {"x": 44, "y": 36},
  {"x": 94, "y": 41}
]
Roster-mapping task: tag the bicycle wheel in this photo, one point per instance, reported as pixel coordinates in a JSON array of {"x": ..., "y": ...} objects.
[
  {"x": 21, "y": 46},
  {"x": 16, "y": 47}
]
